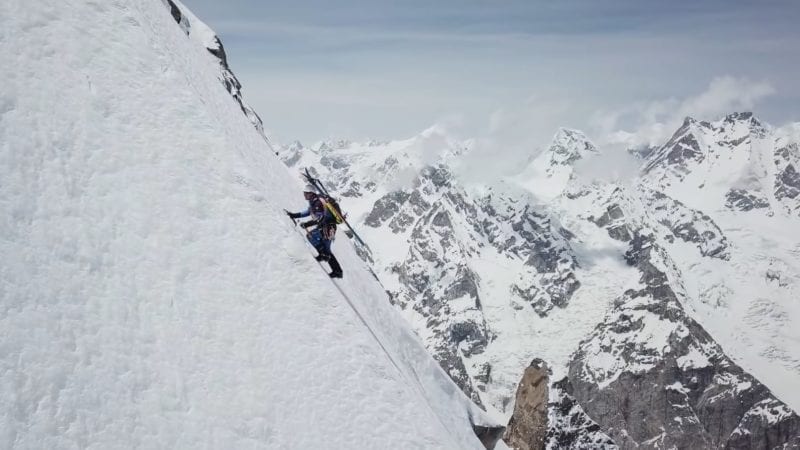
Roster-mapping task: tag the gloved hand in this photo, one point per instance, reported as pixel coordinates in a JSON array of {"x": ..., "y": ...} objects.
[{"x": 292, "y": 216}]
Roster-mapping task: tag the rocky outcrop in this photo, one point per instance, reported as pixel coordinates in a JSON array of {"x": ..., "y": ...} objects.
[
  {"x": 548, "y": 278},
  {"x": 546, "y": 415},
  {"x": 386, "y": 207},
  {"x": 435, "y": 275},
  {"x": 527, "y": 429},
  {"x": 189, "y": 24},
  {"x": 743, "y": 200},
  {"x": 681, "y": 148},
  {"x": 688, "y": 225},
  {"x": 787, "y": 181}
]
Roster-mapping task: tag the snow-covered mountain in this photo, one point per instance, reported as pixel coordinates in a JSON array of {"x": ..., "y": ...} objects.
[
  {"x": 660, "y": 309},
  {"x": 152, "y": 292}
]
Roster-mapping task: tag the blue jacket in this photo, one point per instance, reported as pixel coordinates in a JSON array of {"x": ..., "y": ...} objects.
[{"x": 318, "y": 212}]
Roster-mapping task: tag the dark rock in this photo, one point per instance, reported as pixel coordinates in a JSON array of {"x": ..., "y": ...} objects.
[
  {"x": 742, "y": 200},
  {"x": 485, "y": 374},
  {"x": 681, "y": 148},
  {"x": 175, "y": 11},
  {"x": 683, "y": 392},
  {"x": 789, "y": 183},
  {"x": 569, "y": 426},
  {"x": 449, "y": 360},
  {"x": 753, "y": 431},
  {"x": 469, "y": 336},
  {"x": 386, "y": 207},
  {"x": 333, "y": 162},
  {"x": 613, "y": 219},
  {"x": 527, "y": 429},
  {"x": 690, "y": 225},
  {"x": 488, "y": 435}
]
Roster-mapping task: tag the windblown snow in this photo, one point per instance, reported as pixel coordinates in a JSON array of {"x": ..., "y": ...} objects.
[{"x": 152, "y": 294}]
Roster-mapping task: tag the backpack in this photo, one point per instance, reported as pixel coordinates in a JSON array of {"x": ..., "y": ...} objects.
[{"x": 332, "y": 205}]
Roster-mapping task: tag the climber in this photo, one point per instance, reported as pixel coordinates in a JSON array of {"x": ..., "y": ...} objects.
[{"x": 323, "y": 220}]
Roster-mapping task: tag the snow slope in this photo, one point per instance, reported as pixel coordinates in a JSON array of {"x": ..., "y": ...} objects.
[{"x": 151, "y": 292}]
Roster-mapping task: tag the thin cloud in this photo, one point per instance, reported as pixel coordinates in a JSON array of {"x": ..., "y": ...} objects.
[
  {"x": 652, "y": 122},
  {"x": 387, "y": 70}
]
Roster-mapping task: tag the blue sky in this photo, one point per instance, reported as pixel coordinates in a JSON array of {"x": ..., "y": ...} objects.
[{"x": 377, "y": 69}]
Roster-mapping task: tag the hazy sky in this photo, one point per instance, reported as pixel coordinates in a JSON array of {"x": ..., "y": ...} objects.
[{"x": 389, "y": 69}]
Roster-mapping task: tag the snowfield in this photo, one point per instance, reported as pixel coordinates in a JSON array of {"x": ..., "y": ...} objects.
[{"x": 152, "y": 294}]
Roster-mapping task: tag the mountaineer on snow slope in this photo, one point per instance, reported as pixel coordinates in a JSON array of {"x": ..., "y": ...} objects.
[{"x": 322, "y": 227}]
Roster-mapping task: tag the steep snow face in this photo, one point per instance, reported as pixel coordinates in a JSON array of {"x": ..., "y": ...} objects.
[{"x": 152, "y": 294}]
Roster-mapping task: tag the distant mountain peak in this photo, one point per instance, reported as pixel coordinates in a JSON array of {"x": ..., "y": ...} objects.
[
  {"x": 569, "y": 146},
  {"x": 333, "y": 144},
  {"x": 694, "y": 142}
]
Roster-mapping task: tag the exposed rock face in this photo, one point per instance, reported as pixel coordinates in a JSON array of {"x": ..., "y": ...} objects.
[
  {"x": 678, "y": 151},
  {"x": 653, "y": 378},
  {"x": 742, "y": 200},
  {"x": 549, "y": 280},
  {"x": 436, "y": 272},
  {"x": 386, "y": 207},
  {"x": 689, "y": 225},
  {"x": 447, "y": 229},
  {"x": 569, "y": 427},
  {"x": 787, "y": 182},
  {"x": 488, "y": 435},
  {"x": 527, "y": 429},
  {"x": 701, "y": 144},
  {"x": 546, "y": 415}
]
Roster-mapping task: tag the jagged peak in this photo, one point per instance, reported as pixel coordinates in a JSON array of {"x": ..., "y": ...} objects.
[
  {"x": 756, "y": 126},
  {"x": 569, "y": 146},
  {"x": 733, "y": 118},
  {"x": 731, "y": 127}
]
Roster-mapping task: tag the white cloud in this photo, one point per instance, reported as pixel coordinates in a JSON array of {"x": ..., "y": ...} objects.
[
  {"x": 515, "y": 135},
  {"x": 650, "y": 123},
  {"x": 614, "y": 164}
]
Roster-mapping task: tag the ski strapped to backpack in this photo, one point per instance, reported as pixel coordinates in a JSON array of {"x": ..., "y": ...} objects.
[{"x": 331, "y": 204}]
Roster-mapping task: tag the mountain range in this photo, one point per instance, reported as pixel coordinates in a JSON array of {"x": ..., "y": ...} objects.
[{"x": 662, "y": 305}]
